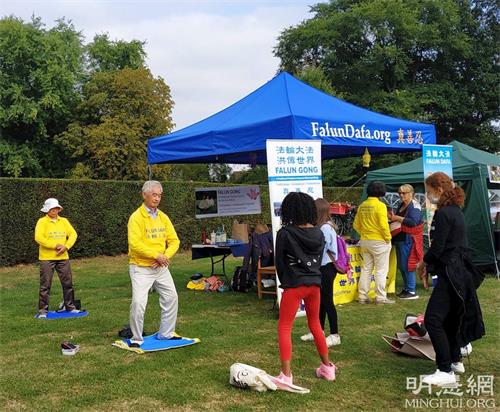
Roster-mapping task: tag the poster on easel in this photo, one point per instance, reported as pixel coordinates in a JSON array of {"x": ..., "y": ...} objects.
[
  {"x": 436, "y": 158},
  {"x": 292, "y": 166}
]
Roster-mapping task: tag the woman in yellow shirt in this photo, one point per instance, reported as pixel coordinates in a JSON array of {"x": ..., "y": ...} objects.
[
  {"x": 55, "y": 236},
  {"x": 372, "y": 224}
]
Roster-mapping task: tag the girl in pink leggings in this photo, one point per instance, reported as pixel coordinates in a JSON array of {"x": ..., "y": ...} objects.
[{"x": 299, "y": 249}]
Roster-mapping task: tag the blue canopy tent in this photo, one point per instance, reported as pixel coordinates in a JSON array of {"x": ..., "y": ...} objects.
[{"x": 286, "y": 108}]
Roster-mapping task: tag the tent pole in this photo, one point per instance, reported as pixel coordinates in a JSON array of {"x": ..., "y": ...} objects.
[{"x": 150, "y": 173}]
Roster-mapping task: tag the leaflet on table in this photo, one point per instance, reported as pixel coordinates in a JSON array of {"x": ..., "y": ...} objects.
[
  {"x": 227, "y": 201},
  {"x": 292, "y": 166}
]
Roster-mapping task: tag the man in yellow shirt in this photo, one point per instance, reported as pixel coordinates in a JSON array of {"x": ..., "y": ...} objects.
[
  {"x": 372, "y": 224},
  {"x": 152, "y": 242},
  {"x": 55, "y": 237}
]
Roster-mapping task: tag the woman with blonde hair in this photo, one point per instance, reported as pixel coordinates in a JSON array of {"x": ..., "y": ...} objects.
[
  {"x": 328, "y": 274},
  {"x": 409, "y": 214}
]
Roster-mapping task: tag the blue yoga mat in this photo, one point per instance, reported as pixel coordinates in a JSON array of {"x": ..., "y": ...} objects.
[
  {"x": 152, "y": 343},
  {"x": 63, "y": 315}
]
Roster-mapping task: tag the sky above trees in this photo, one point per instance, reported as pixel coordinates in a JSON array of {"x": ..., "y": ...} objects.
[{"x": 210, "y": 53}]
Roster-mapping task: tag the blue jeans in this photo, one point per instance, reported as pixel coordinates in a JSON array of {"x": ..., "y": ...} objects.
[{"x": 403, "y": 251}]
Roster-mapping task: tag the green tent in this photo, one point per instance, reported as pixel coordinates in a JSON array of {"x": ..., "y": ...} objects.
[{"x": 471, "y": 173}]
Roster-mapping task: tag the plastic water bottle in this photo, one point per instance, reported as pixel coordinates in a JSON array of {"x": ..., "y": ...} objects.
[{"x": 223, "y": 236}]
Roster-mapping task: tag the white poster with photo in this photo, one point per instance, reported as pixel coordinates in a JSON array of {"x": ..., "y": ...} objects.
[
  {"x": 292, "y": 166},
  {"x": 494, "y": 174},
  {"x": 227, "y": 201}
]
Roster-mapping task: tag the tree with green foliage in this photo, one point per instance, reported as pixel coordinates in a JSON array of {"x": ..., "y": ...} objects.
[
  {"x": 219, "y": 172},
  {"x": 425, "y": 60},
  {"x": 189, "y": 172},
  {"x": 347, "y": 171},
  {"x": 39, "y": 71},
  {"x": 256, "y": 175},
  {"x": 315, "y": 76},
  {"x": 119, "y": 111},
  {"x": 104, "y": 54},
  {"x": 72, "y": 110}
]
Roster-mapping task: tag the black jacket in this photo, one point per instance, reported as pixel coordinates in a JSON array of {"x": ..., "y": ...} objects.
[
  {"x": 298, "y": 256},
  {"x": 448, "y": 256}
]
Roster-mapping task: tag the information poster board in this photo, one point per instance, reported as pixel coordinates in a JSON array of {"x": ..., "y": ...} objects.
[
  {"x": 436, "y": 158},
  {"x": 227, "y": 201}
]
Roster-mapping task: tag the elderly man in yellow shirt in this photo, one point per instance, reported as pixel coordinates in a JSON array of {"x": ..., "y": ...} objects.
[
  {"x": 55, "y": 236},
  {"x": 152, "y": 242},
  {"x": 372, "y": 224}
]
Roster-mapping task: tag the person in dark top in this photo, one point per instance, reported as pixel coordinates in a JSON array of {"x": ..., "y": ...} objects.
[
  {"x": 453, "y": 315},
  {"x": 409, "y": 214},
  {"x": 299, "y": 250}
]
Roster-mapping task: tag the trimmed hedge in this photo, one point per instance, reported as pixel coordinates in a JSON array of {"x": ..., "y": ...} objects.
[{"x": 99, "y": 211}]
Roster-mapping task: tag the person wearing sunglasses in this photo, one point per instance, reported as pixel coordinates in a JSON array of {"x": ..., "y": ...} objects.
[{"x": 409, "y": 214}]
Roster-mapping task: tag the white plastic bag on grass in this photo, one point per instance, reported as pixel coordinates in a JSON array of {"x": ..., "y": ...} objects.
[{"x": 247, "y": 377}]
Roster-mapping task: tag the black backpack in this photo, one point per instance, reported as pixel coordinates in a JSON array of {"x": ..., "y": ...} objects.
[{"x": 241, "y": 280}]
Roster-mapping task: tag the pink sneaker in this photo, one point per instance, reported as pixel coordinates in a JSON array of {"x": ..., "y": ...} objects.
[
  {"x": 286, "y": 379},
  {"x": 326, "y": 371}
]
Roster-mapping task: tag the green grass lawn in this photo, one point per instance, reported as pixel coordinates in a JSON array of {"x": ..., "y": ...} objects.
[{"x": 232, "y": 327}]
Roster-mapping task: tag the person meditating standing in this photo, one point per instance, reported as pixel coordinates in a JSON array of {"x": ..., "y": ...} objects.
[
  {"x": 55, "y": 237},
  {"x": 152, "y": 243}
]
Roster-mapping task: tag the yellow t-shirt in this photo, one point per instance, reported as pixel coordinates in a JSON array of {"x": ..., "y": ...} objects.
[
  {"x": 49, "y": 233},
  {"x": 148, "y": 236},
  {"x": 371, "y": 220}
]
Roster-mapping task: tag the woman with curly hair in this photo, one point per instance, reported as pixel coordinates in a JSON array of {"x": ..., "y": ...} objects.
[{"x": 453, "y": 315}]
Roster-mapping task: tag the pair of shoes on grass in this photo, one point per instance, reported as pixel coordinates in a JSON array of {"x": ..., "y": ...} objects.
[
  {"x": 324, "y": 371},
  {"x": 136, "y": 344},
  {"x": 383, "y": 301},
  {"x": 448, "y": 379},
  {"x": 331, "y": 340},
  {"x": 69, "y": 311}
]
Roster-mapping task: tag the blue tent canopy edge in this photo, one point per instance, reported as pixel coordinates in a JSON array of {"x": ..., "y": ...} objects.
[{"x": 286, "y": 108}]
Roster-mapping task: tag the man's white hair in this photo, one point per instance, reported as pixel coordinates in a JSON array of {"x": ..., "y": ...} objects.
[{"x": 150, "y": 184}]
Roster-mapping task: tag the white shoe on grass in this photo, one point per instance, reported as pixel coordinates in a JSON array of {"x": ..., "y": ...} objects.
[
  {"x": 458, "y": 367},
  {"x": 333, "y": 340},
  {"x": 308, "y": 337},
  {"x": 440, "y": 378}
]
